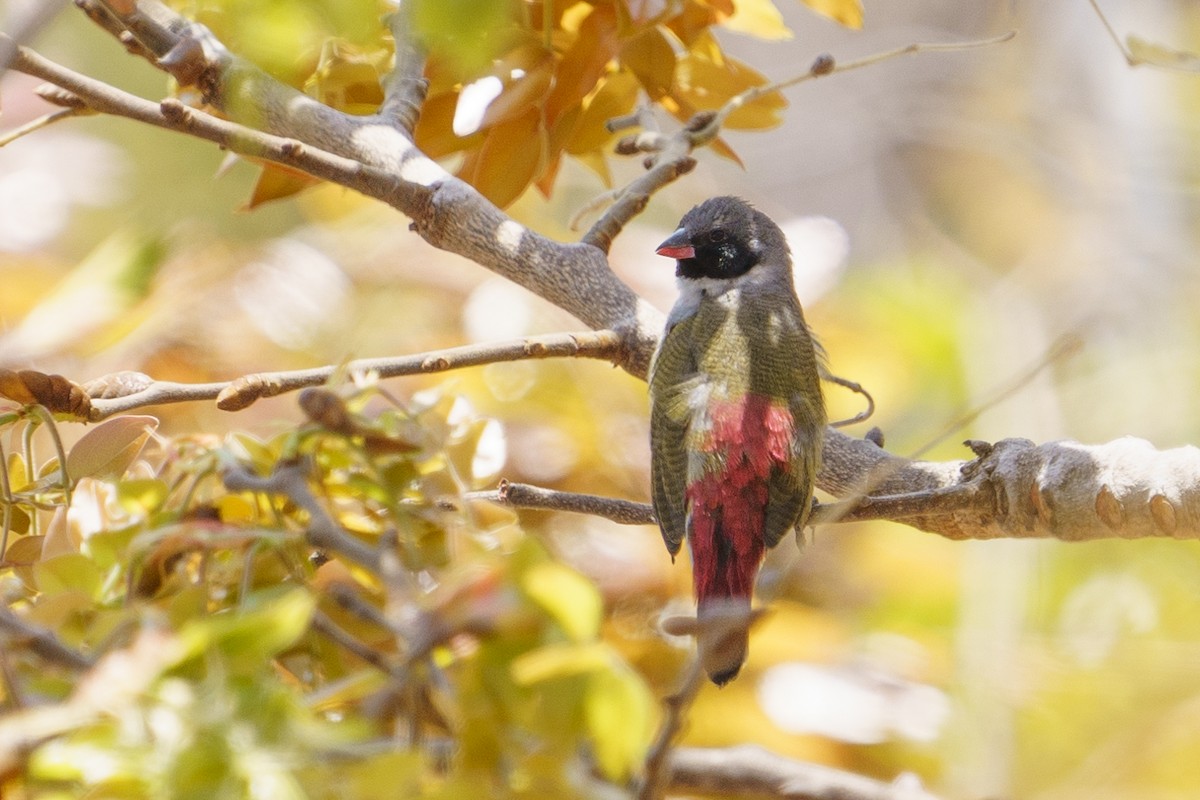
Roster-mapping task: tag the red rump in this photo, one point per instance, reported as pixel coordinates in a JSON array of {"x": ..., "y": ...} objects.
[{"x": 753, "y": 436}]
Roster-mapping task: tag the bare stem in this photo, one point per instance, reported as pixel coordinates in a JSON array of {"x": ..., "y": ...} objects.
[
  {"x": 657, "y": 772},
  {"x": 672, "y": 154},
  {"x": 290, "y": 479},
  {"x": 42, "y": 642},
  {"x": 751, "y": 771},
  {"x": 405, "y": 87},
  {"x": 825, "y": 65},
  {"x": 523, "y": 495},
  {"x": 243, "y": 391}
]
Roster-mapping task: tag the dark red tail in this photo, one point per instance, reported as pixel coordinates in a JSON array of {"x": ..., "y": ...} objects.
[{"x": 727, "y": 549}]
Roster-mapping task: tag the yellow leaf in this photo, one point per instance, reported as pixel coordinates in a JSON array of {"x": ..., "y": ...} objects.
[
  {"x": 620, "y": 719},
  {"x": 1156, "y": 55},
  {"x": 847, "y": 12},
  {"x": 68, "y": 572},
  {"x": 706, "y": 79},
  {"x": 651, "y": 56},
  {"x": 566, "y": 596},
  {"x": 347, "y": 79},
  {"x": 22, "y": 555},
  {"x": 142, "y": 495},
  {"x": 758, "y": 18},
  {"x": 559, "y": 661},
  {"x": 615, "y": 97}
]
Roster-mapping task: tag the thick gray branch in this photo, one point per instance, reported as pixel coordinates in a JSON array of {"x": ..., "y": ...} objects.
[{"x": 749, "y": 771}]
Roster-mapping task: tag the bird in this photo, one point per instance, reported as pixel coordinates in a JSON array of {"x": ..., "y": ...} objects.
[{"x": 737, "y": 418}]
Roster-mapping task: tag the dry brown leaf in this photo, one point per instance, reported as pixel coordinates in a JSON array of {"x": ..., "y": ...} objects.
[{"x": 54, "y": 392}]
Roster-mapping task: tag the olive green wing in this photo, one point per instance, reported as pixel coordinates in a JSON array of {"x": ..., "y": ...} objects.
[
  {"x": 790, "y": 490},
  {"x": 672, "y": 377}
]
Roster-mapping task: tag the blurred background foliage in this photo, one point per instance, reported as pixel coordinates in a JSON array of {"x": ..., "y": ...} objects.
[{"x": 953, "y": 216}]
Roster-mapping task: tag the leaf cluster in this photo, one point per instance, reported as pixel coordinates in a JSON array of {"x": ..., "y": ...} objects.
[
  {"x": 514, "y": 86},
  {"x": 165, "y": 635}
]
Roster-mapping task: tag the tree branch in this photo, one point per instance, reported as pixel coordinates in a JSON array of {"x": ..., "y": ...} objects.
[
  {"x": 658, "y": 769},
  {"x": 291, "y": 480},
  {"x": 751, "y": 771},
  {"x": 42, "y": 642},
  {"x": 1063, "y": 490},
  {"x": 1013, "y": 489},
  {"x": 523, "y": 495},
  {"x": 405, "y": 87},
  {"x": 243, "y": 391}
]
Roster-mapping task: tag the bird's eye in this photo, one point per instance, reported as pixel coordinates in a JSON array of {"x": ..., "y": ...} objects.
[{"x": 717, "y": 235}]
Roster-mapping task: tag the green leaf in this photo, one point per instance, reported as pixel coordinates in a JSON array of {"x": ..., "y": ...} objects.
[
  {"x": 268, "y": 623},
  {"x": 107, "y": 450},
  {"x": 468, "y": 33},
  {"x": 567, "y": 596},
  {"x": 141, "y": 495},
  {"x": 71, "y": 571}
]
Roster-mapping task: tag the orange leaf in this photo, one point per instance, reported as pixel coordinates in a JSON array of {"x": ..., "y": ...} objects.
[
  {"x": 651, "y": 57},
  {"x": 616, "y": 96},
  {"x": 545, "y": 184},
  {"x": 276, "y": 183},
  {"x": 520, "y": 94},
  {"x": 584, "y": 63},
  {"x": 434, "y": 133},
  {"x": 695, "y": 20},
  {"x": 511, "y": 157}
]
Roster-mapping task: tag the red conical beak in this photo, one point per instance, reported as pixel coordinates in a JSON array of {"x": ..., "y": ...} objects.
[{"x": 677, "y": 245}]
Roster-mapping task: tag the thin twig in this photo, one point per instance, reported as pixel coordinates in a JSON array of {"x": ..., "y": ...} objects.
[
  {"x": 243, "y": 391},
  {"x": 323, "y": 623},
  {"x": 825, "y": 65},
  {"x": 672, "y": 154},
  {"x": 930, "y": 503},
  {"x": 290, "y": 479},
  {"x": 523, "y": 495},
  {"x": 1112, "y": 33},
  {"x": 857, "y": 388},
  {"x": 656, "y": 773},
  {"x": 43, "y": 642},
  {"x": 171, "y": 114},
  {"x": 1060, "y": 349},
  {"x": 153, "y": 25},
  {"x": 405, "y": 87},
  {"x": 41, "y": 122},
  {"x": 674, "y": 161},
  {"x": 6, "y": 497},
  {"x": 751, "y": 771},
  {"x": 46, "y": 418}
]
